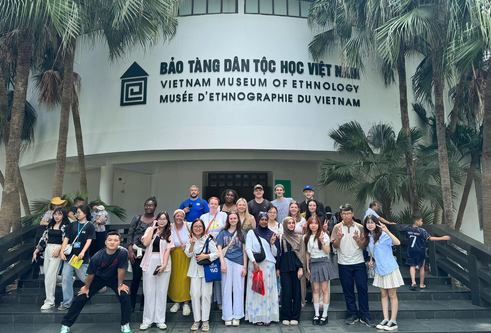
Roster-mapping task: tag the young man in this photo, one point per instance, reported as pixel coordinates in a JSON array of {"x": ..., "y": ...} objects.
[
  {"x": 78, "y": 201},
  {"x": 80, "y": 235},
  {"x": 372, "y": 210},
  {"x": 416, "y": 250},
  {"x": 194, "y": 207},
  {"x": 346, "y": 238},
  {"x": 308, "y": 192},
  {"x": 258, "y": 204},
  {"x": 281, "y": 203},
  {"x": 106, "y": 268}
]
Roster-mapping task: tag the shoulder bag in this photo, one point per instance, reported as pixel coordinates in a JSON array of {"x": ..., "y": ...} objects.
[
  {"x": 69, "y": 247},
  {"x": 204, "y": 261},
  {"x": 259, "y": 256}
]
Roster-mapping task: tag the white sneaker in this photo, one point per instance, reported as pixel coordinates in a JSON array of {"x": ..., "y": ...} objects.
[
  {"x": 64, "y": 329},
  {"x": 186, "y": 310},
  {"x": 126, "y": 328},
  {"x": 144, "y": 327},
  {"x": 47, "y": 306},
  {"x": 175, "y": 307},
  {"x": 162, "y": 326}
]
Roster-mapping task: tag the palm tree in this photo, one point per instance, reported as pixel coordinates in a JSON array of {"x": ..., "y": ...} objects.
[
  {"x": 121, "y": 24},
  {"x": 25, "y": 20},
  {"x": 352, "y": 24},
  {"x": 372, "y": 166},
  {"x": 434, "y": 23}
]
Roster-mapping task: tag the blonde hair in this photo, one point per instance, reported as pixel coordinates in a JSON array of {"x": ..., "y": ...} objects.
[
  {"x": 298, "y": 217},
  {"x": 248, "y": 217}
]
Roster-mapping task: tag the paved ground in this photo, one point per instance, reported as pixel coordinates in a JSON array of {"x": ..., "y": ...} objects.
[{"x": 437, "y": 325}]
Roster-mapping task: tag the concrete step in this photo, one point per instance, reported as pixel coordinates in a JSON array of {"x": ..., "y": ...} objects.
[{"x": 110, "y": 312}]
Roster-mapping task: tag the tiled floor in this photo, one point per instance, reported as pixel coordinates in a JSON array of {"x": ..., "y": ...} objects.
[{"x": 438, "y": 325}]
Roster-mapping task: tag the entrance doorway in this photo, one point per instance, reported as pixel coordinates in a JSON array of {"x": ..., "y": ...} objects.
[{"x": 241, "y": 182}]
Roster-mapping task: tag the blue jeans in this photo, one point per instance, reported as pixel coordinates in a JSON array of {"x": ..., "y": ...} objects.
[
  {"x": 67, "y": 283},
  {"x": 349, "y": 275}
]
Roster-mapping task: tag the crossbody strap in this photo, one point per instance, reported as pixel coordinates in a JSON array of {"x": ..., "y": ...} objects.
[
  {"x": 231, "y": 241},
  {"x": 211, "y": 222},
  {"x": 79, "y": 232}
]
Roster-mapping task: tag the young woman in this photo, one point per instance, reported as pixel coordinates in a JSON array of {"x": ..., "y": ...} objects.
[
  {"x": 156, "y": 267},
  {"x": 319, "y": 267},
  {"x": 387, "y": 275},
  {"x": 262, "y": 238},
  {"x": 314, "y": 211},
  {"x": 50, "y": 244},
  {"x": 234, "y": 269},
  {"x": 180, "y": 283},
  {"x": 229, "y": 199},
  {"x": 275, "y": 226},
  {"x": 246, "y": 220},
  {"x": 214, "y": 222},
  {"x": 290, "y": 270},
  {"x": 55, "y": 203},
  {"x": 300, "y": 228},
  {"x": 200, "y": 289},
  {"x": 137, "y": 229}
]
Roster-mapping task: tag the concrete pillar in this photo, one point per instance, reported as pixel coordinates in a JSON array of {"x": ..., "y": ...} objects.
[{"x": 107, "y": 184}]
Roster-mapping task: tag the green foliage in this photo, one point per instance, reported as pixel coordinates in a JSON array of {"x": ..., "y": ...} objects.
[
  {"x": 40, "y": 206},
  {"x": 404, "y": 217}
]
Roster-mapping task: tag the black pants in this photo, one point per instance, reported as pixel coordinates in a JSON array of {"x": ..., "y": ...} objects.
[
  {"x": 349, "y": 275},
  {"x": 97, "y": 284},
  {"x": 291, "y": 303},
  {"x": 135, "y": 283}
]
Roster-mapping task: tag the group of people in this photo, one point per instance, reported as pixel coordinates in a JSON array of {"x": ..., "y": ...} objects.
[{"x": 277, "y": 245}]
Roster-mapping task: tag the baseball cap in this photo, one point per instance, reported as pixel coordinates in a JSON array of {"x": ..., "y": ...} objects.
[
  {"x": 308, "y": 187},
  {"x": 258, "y": 186},
  {"x": 279, "y": 185}
]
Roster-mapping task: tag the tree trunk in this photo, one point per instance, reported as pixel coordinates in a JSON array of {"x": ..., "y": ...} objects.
[
  {"x": 486, "y": 161},
  {"x": 2, "y": 179},
  {"x": 406, "y": 130},
  {"x": 10, "y": 209},
  {"x": 66, "y": 101},
  {"x": 4, "y": 107},
  {"x": 441, "y": 137},
  {"x": 465, "y": 197},
  {"x": 454, "y": 115},
  {"x": 22, "y": 192},
  {"x": 80, "y": 144},
  {"x": 437, "y": 215}
]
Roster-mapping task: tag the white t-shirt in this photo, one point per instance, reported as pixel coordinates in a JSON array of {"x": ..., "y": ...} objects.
[
  {"x": 370, "y": 212},
  {"x": 313, "y": 247},
  {"x": 299, "y": 226},
  {"x": 183, "y": 233},
  {"x": 349, "y": 253},
  {"x": 217, "y": 223},
  {"x": 278, "y": 229}
]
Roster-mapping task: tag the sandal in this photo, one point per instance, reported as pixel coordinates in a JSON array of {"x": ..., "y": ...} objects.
[
  {"x": 260, "y": 323},
  {"x": 195, "y": 326},
  {"x": 267, "y": 324},
  {"x": 425, "y": 287},
  {"x": 413, "y": 287},
  {"x": 206, "y": 326}
]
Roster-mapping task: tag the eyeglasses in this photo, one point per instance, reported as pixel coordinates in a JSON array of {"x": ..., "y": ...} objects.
[
  {"x": 272, "y": 213},
  {"x": 197, "y": 227}
]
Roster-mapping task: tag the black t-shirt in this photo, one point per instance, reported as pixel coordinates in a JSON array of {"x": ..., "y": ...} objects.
[
  {"x": 54, "y": 236},
  {"x": 73, "y": 210},
  {"x": 255, "y": 208},
  {"x": 100, "y": 260},
  {"x": 320, "y": 207},
  {"x": 87, "y": 232}
]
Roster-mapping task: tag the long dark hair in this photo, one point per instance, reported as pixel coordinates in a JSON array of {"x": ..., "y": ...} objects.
[
  {"x": 165, "y": 234},
  {"x": 308, "y": 233},
  {"x": 86, "y": 210},
  {"x": 224, "y": 193},
  {"x": 376, "y": 233},
  {"x": 240, "y": 234},
  {"x": 64, "y": 220},
  {"x": 317, "y": 211}
]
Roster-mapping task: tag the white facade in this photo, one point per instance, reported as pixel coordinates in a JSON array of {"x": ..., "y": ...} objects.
[{"x": 161, "y": 147}]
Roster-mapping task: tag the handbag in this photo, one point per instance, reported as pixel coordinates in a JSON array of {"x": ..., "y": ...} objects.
[
  {"x": 205, "y": 261},
  {"x": 69, "y": 247},
  {"x": 259, "y": 256},
  {"x": 225, "y": 249}
]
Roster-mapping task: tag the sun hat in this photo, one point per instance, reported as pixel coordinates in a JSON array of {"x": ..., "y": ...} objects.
[{"x": 57, "y": 201}]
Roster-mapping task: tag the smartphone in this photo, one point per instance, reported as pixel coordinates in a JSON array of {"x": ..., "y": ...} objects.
[
  {"x": 190, "y": 205},
  {"x": 157, "y": 270}
]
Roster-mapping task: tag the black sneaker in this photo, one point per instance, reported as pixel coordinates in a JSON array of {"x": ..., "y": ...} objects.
[
  {"x": 351, "y": 320},
  {"x": 367, "y": 321},
  {"x": 382, "y": 324},
  {"x": 390, "y": 326},
  {"x": 316, "y": 320},
  {"x": 323, "y": 321}
]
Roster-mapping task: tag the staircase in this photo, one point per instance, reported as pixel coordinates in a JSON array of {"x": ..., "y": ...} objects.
[{"x": 440, "y": 302}]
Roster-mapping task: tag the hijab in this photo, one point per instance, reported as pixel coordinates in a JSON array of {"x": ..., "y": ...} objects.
[
  {"x": 294, "y": 239},
  {"x": 265, "y": 232}
]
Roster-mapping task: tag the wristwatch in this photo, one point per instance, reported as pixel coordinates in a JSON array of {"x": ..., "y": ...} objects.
[{"x": 120, "y": 284}]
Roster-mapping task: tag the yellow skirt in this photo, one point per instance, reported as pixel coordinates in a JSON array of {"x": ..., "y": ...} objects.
[{"x": 180, "y": 283}]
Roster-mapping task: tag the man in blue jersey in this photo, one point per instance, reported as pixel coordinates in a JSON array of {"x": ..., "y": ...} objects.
[
  {"x": 416, "y": 250},
  {"x": 194, "y": 207}
]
